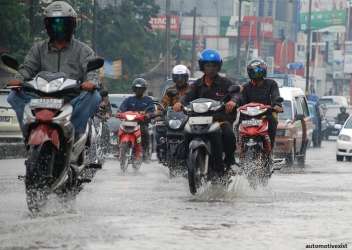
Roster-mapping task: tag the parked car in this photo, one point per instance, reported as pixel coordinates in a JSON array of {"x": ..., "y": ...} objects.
[
  {"x": 10, "y": 131},
  {"x": 334, "y": 100},
  {"x": 344, "y": 141},
  {"x": 314, "y": 113},
  {"x": 11, "y": 140},
  {"x": 295, "y": 127}
]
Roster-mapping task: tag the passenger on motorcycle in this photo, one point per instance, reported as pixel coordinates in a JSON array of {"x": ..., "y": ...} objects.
[
  {"x": 214, "y": 86},
  {"x": 180, "y": 77},
  {"x": 262, "y": 90},
  {"x": 60, "y": 53},
  {"x": 140, "y": 103}
]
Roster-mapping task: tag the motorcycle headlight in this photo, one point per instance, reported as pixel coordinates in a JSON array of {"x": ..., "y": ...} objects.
[
  {"x": 48, "y": 87},
  {"x": 344, "y": 138},
  {"x": 201, "y": 107},
  {"x": 175, "y": 124}
]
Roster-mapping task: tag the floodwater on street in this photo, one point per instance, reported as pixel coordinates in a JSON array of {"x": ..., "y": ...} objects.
[{"x": 147, "y": 210}]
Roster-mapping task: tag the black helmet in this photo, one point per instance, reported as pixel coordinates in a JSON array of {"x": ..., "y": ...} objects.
[
  {"x": 139, "y": 83},
  {"x": 343, "y": 109},
  {"x": 60, "y": 21},
  {"x": 104, "y": 93},
  {"x": 257, "y": 69}
]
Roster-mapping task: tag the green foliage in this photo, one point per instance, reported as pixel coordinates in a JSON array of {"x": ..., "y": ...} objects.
[
  {"x": 14, "y": 32},
  {"x": 124, "y": 33}
]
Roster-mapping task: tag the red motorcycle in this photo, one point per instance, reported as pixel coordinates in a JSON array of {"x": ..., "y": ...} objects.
[
  {"x": 130, "y": 139},
  {"x": 254, "y": 142}
]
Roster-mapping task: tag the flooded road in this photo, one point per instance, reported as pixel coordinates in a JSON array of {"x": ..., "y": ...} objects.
[{"x": 147, "y": 210}]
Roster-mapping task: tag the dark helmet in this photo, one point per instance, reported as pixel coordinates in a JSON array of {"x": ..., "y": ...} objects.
[
  {"x": 139, "y": 83},
  {"x": 104, "y": 93},
  {"x": 257, "y": 69},
  {"x": 209, "y": 56},
  {"x": 60, "y": 21},
  {"x": 342, "y": 109}
]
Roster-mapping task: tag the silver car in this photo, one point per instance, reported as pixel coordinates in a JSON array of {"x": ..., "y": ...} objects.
[{"x": 10, "y": 131}]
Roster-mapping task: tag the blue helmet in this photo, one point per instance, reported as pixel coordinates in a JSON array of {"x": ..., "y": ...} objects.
[{"x": 209, "y": 56}]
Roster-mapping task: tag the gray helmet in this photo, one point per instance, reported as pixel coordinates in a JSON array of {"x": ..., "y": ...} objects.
[
  {"x": 139, "y": 83},
  {"x": 59, "y": 9},
  {"x": 60, "y": 21}
]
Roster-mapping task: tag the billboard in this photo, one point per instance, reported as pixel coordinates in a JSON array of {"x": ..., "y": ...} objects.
[
  {"x": 159, "y": 23},
  {"x": 253, "y": 26},
  {"x": 324, "y": 13}
]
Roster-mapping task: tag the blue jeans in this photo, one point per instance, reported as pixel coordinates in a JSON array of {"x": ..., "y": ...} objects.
[{"x": 84, "y": 106}]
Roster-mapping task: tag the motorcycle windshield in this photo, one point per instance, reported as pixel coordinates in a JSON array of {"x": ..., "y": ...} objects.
[
  {"x": 203, "y": 105},
  {"x": 48, "y": 82}
]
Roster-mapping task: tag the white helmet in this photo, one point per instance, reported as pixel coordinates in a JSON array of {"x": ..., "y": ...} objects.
[{"x": 180, "y": 72}]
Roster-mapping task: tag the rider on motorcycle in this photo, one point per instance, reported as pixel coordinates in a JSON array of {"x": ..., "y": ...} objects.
[
  {"x": 262, "y": 90},
  {"x": 342, "y": 116},
  {"x": 60, "y": 53},
  {"x": 214, "y": 86},
  {"x": 140, "y": 103}
]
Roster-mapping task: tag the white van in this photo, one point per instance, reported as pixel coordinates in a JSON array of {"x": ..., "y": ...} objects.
[{"x": 334, "y": 100}]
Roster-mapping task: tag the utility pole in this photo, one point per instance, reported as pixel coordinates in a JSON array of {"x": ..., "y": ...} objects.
[
  {"x": 194, "y": 41},
  {"x": 168, "y": 27},
  {"x": 309, "y": 34},
  {"x": 31, "y": 18},
  {"x": 238, "y": 63},
  {"x": 94, "y": 33}
]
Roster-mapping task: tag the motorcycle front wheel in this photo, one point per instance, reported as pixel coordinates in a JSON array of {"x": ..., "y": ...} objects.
[
  {"x": 39, "y": 167},
  {"x": 124, "y": 158},
  {"x": 196, "y": 162}
]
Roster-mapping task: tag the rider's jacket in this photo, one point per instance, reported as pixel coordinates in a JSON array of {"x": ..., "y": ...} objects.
[
  {"x": 133, "y": 103},
  {"x": 72, "y": 60},
  {"x": 170, "y": 101},
  {"x": 217, "y": 91},
  {"x": 341, "y": 118}
]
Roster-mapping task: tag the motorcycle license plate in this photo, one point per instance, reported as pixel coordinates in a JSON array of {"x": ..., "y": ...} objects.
[
  {"x": 200, "y": 120},
  {"x": 113, "y": 140},
  {"x": 46, "y": 103},
  {"x": 129, "y": 124},
  {"x": 252, "y": 122},
  {"x": 5, "y": 118}
]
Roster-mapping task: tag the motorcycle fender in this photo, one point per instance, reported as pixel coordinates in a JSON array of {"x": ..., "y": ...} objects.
[
  {"x": 128, "y": 138},
  {"x": 198, "y": 143},
  {"x": 43, "y": 133}
]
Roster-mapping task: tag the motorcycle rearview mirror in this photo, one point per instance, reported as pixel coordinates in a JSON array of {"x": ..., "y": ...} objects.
[
  {"x": 233, "y": 89},
  {"x": 338, "y": 126},
  {"x": 299, "y": 117},
  {"x": 10, "y": 62},
  {"x": 171, "y": 93},
  {"x": 95, "y": 63},
  {"x": 279, "y": 99}
]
